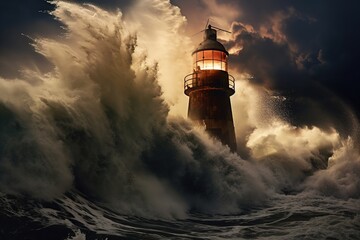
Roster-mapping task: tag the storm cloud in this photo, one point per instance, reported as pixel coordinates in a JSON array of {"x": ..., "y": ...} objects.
[{"x": 304, "y": 52}]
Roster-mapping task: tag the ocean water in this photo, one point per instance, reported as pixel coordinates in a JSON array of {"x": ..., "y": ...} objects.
[
  {"x": 97, "y": 148},
  {"x": 74, "y": 216}
]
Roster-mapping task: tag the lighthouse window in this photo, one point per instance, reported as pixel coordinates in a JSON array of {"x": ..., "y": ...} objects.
[
  {"x": 210, "y": 59},
  {"x": 200, "y": 56},
  {"x": 224, "y": 57},
  {"x": 218, "y": 55},
  {"x": 208, "y": 64},
  {"x": 218, "y": 65},
  {"x": 208, "y": 54}
]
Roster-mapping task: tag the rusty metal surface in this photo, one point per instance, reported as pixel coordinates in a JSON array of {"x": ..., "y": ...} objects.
[{"x": 212, "y": 108}]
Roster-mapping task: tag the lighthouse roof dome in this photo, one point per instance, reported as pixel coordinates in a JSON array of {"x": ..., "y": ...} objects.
[{"x": 210, "y": 42}]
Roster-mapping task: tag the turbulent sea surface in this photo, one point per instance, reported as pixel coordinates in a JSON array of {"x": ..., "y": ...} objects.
[
  {"x": 97, "y": 148},
  {"x": 284, "y": 217}
]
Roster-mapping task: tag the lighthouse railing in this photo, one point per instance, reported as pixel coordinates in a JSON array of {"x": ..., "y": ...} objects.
[
  {"x": 194, "y": 81},
  {"x": 231, "y": 82}
]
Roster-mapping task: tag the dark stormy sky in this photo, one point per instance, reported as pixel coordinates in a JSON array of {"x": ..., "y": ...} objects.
[{"x": 306, "y": 51}]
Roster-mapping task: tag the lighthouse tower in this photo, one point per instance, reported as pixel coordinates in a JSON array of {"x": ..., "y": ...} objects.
[{"x": 209, "y": 88}]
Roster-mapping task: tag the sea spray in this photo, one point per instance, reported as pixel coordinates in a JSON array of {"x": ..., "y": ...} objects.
[
  {"x": 102, "y": 109},
  {"x": 99, "y": 123}
]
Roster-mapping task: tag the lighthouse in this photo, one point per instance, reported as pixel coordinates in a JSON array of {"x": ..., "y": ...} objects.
[{"x": 209, "y": 88}]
